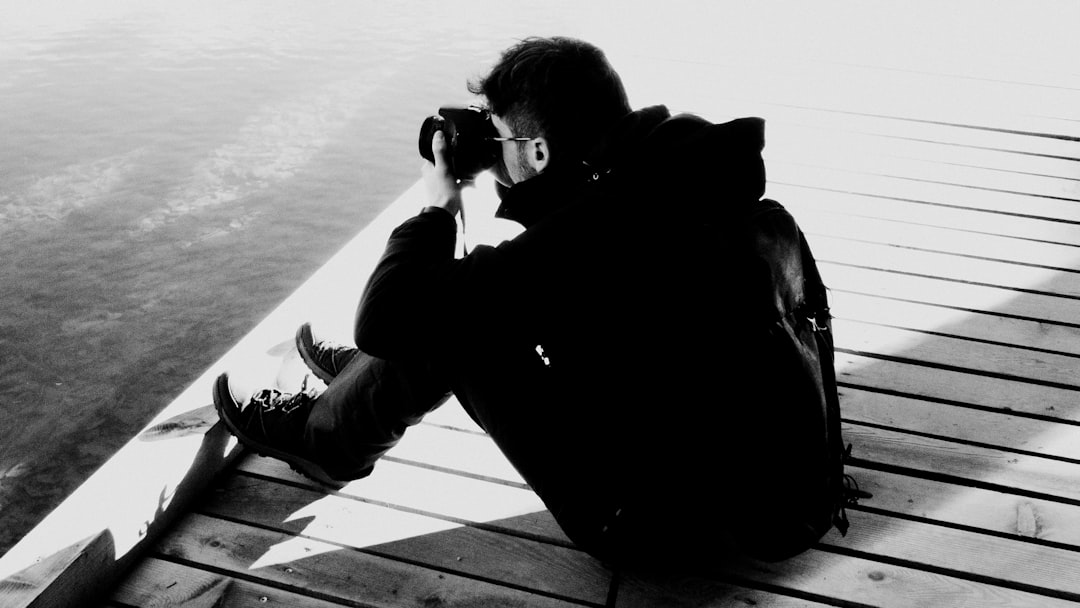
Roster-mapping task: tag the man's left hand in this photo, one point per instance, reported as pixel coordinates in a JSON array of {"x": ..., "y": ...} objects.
[{"x": 443, "y": 189}]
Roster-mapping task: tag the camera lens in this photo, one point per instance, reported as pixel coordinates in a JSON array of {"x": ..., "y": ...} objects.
[{"x": 427, "y": 131}]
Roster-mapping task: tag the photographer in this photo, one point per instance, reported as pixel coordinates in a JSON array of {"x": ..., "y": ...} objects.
[{"x": 600, "y": 349}]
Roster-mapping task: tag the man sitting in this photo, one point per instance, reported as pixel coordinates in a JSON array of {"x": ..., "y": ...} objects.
[{"x": 609, "y": 350}]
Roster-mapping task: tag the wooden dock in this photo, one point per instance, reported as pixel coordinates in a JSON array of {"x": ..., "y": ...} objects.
[
  {"x": 952, "y": 252},
  {"x": 951, "y": 244}
]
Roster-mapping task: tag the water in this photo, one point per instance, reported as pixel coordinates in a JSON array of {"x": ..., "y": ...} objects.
[{"x": 170, "y": 171}]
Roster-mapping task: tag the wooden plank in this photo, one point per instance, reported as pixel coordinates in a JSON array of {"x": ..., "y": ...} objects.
[
  {"x": 434, "y": 445},
  {"x": 700, "y": 592},
  {"x": 993, "y": 592},
  {"x": 978, "y": 357},
  {"x": 950, "y": 386},
  {"x": 1062, "y": 154},
  {"x": 878, "y": 93},
  {"x": 1041, "y": 436},
  {"x": 1007, "y": 431},
  {"x": 120, "y": 507},
  {"x": 441, "y": 493},
  {"x": 710, "y": 585},
  {"x": 914, "y": 380},
  {"x": 454, "y": 416},
  {"x": 1029, "y": 47},
  {"x": 416, "y": 538},
  {"x": 1031, "y": 435},
  {"x": 157, "y": 583},
  {"x": 1048, "y": 521},
  {"x": 329, "y": 571},
  {"x": 953, "y": 195},
  {"x": 944, "y": 240},
  {"x": 1000, "y": 429},
  {"x": 844, "y": 580},
  {"x": 1039, "y": 307},
  {"x": 623, "y": 595},
  {"x": 956, "y": 268},
  {"x": 989, "y": 327},
  {"x": 807, "y": 199},
  {"x": 963, "y": 553},
  {"x": 1005, "y": 427},
  {"x": 884, "y": 89},
  {"x": 470, "y": 454},
  {"x": 842, "y": 154},
  {"x": 967, "y": 464},
  {"x": 795, "y": 130},
  {"x": 71, "y": 572}
]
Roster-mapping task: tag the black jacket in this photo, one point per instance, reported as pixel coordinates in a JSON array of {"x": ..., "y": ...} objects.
[
  {"x": 597, "y": 328},
  {"x": 655, "y": 183}
]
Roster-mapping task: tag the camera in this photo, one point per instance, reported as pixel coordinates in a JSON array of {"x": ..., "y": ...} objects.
[{"x": 467, "y": 131}]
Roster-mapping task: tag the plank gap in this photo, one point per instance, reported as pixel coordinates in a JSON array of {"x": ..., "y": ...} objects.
[
  {"x": 440, "y": 469},
  {"x": 456, "y": 429}
]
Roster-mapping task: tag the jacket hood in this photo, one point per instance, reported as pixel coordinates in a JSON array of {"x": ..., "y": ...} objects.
[
  {"x": 688, "y": 150},
  {"x": 650, "y": 148}
]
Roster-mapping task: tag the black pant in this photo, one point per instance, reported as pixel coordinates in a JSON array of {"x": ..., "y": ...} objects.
[
  {"x": 367, "y": 408},
  {"x": 365, "y": 411}
]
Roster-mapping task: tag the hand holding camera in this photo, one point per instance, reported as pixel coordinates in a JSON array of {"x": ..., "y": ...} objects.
[
  {"x": 443, "y": 189},
  {"x": 459, "y": 143},
  {"x": 470, "y": 136}
]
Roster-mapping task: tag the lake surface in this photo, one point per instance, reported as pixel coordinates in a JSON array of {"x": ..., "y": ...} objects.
[{"x": 171, "y": 171}]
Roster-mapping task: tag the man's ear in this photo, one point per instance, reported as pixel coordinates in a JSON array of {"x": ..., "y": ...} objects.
[{"x": 539, "y": 154}]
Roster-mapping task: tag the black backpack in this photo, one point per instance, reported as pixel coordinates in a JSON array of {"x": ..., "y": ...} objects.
[{"x": 797, "y": 485}]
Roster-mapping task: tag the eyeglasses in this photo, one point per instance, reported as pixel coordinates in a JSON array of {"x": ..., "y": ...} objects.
[{"x": 509, "y": 138}]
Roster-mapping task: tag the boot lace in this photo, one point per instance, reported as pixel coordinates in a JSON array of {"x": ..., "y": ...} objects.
[{"x": 270, "y": 407}]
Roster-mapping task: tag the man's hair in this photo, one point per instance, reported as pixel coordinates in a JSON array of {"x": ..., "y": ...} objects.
[{"x": 559, "y": 88}]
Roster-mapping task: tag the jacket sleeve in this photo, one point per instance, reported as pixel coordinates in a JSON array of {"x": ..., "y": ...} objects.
[{"x": 401, "y": 307}]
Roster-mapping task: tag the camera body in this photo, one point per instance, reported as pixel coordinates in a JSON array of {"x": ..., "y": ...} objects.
[{"x": 467, "y": 131}]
